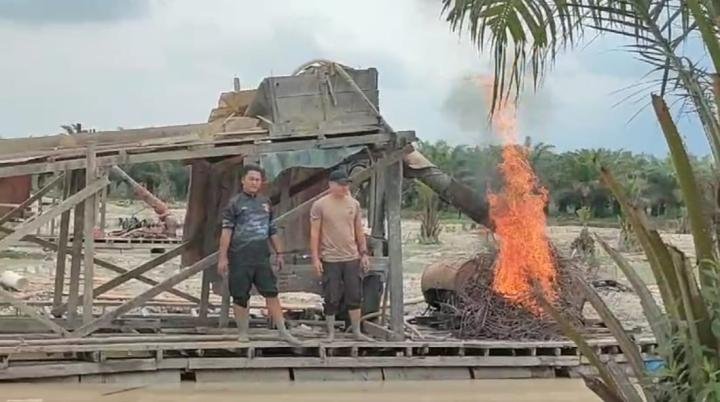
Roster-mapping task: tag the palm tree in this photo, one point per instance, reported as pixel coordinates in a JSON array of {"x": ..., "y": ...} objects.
[{"x": 526, "y": 35}]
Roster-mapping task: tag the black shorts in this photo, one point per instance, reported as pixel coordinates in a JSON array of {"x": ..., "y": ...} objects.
[
  {"x": 342, "y": 281},
  {"x": 244, "y": 275}
]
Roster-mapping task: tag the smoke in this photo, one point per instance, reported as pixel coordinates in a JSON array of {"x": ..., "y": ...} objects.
[{"x": 467, "y": 106}]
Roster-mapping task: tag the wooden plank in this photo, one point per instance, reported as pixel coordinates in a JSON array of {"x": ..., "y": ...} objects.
[
  {"x": 134, "y": 378},
  {"x": 25, "y": 309},
  {"x": 243, "y": 375},
  {"x": 337, "y": 374},
  {"x": 204, "y": 296},
  {"x": 13, "y": 146},
  {"x": 426, "y": 373},
  {"x": 225, "y": 304},
  {"x": 497, "y": 373},
  {"x": 393, "y": 197},
  {"x": 199, "y": 152},
  {"x": 18, "y": 209},
  {"x": 39, "y": 221},
  {"x": 61, "y": 260},
  {"x": 377, "y": 331},
  {"x": 382, "y": 361},
  {"x": 89, "y": 238},
  {"x": 133, "y": 273},
  {"x": 103, "y": 208},
  {"x": 64, "y": 369},
  {"x": 138, "y": 301}
]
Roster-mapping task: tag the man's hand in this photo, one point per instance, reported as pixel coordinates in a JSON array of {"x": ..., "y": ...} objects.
[
  {"x": 317, "y": 264},
  {"x": 223, "y": 266},
  {"x": 279, "y": 262},
  {"x": 365, "y": 263}
]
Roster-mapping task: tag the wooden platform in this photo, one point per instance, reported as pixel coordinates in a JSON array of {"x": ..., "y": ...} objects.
[{"x": 215, "y": 356}]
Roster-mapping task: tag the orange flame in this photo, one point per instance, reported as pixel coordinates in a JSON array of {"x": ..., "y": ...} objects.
[{"x": 518, "y": 214}]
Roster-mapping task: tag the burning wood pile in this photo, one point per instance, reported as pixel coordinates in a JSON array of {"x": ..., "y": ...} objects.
[
  {"x": 487, "y": 314},
  {"x": 495, "y": 295}
]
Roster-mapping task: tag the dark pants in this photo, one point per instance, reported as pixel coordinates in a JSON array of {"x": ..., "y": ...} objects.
[
  {"x": 342, "y": 281},
  {"x": 243, "y": 275}
]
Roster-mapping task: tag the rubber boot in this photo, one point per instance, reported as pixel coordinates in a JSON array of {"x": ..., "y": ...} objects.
[
  {"x": 285, "y": 333},
  {"x": 243, "y": 323},
  {"x": 330, "y": 322},
  {"x": 359, "y": 336}
]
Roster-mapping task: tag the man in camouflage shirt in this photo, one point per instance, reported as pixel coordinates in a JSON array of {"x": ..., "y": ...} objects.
[{"x": 248, "y": 232}]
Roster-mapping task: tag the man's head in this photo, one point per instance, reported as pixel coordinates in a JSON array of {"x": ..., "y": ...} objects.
[
  {"x": 339, "y": 183},
  {"x": 252, "y": 178}
]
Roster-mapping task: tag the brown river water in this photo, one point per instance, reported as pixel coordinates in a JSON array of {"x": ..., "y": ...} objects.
[{"x": 541, "y": 390}]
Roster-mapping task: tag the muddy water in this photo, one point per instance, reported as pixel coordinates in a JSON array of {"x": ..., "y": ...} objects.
[{"x": 445, "y": 391}]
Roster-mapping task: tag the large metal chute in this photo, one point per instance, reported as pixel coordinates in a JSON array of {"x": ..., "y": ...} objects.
[{"x": 450, "y": 190}]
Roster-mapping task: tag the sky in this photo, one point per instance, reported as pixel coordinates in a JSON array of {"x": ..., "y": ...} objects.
[{"x": 135, "y": 63}]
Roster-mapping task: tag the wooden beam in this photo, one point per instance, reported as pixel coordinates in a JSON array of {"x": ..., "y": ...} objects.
[
  {"x": 17, "y": 210},
  {"x": 25, "y": 309},
  {"x": 12, "y": 146},
  {"x": 132, "y": 274},
  {"x": 225, "y": 304},
  {"x": 107, "y": 265},
  {"x": 76, "y": 250},
  {"x": 103, "y": 208},
  {"x": 61, "y": 260},
  {"x": 139, "y": 300},
  {"x": 116, "y": 157},
  {"x": 393, "y": 197},
  {"x": 43, "y": 219},
  {"x": 89, "y": 238}
]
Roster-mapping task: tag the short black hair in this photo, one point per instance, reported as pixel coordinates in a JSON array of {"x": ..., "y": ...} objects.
[{"x": 253, "y": 168}]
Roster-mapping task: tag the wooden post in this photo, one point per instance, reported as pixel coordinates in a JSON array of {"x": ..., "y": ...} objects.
[
  {"x": 89, "y": 238},
  {"x": 62, "y": 245},
  {"x": 393, "y": 197},
  {"x": 103, "y": 208},
  {"x": 76, "y": 252},
  {"x": 377, "y": 234},
  {"x": 39, "y": 213}
]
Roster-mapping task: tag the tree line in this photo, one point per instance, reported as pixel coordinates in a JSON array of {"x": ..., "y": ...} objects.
[{"x": 572, "y": 178}]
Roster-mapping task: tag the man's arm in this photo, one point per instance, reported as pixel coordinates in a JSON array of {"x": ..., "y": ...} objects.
[
  {"x": 360, "y": 240},
  {"x": 223, "y": 261},
  {"x": 315, "y": 222},
  {"x": 315, "y": 245},
  {"x": 228, "y": 225}
]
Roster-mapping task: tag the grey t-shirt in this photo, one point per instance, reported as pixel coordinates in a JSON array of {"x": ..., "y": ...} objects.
[{"x": 251, "y": 220}]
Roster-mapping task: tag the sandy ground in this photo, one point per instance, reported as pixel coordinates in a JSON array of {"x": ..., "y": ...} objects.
[
  {"x": 456, "y": 240},
  {"x": 546, "y": 390}
]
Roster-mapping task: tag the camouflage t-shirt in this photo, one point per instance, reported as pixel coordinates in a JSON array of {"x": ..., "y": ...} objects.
[{"x": 251, "y": 221}]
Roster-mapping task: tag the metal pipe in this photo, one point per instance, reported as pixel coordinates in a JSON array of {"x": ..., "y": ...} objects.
[{"x": 160, "y": 208}]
